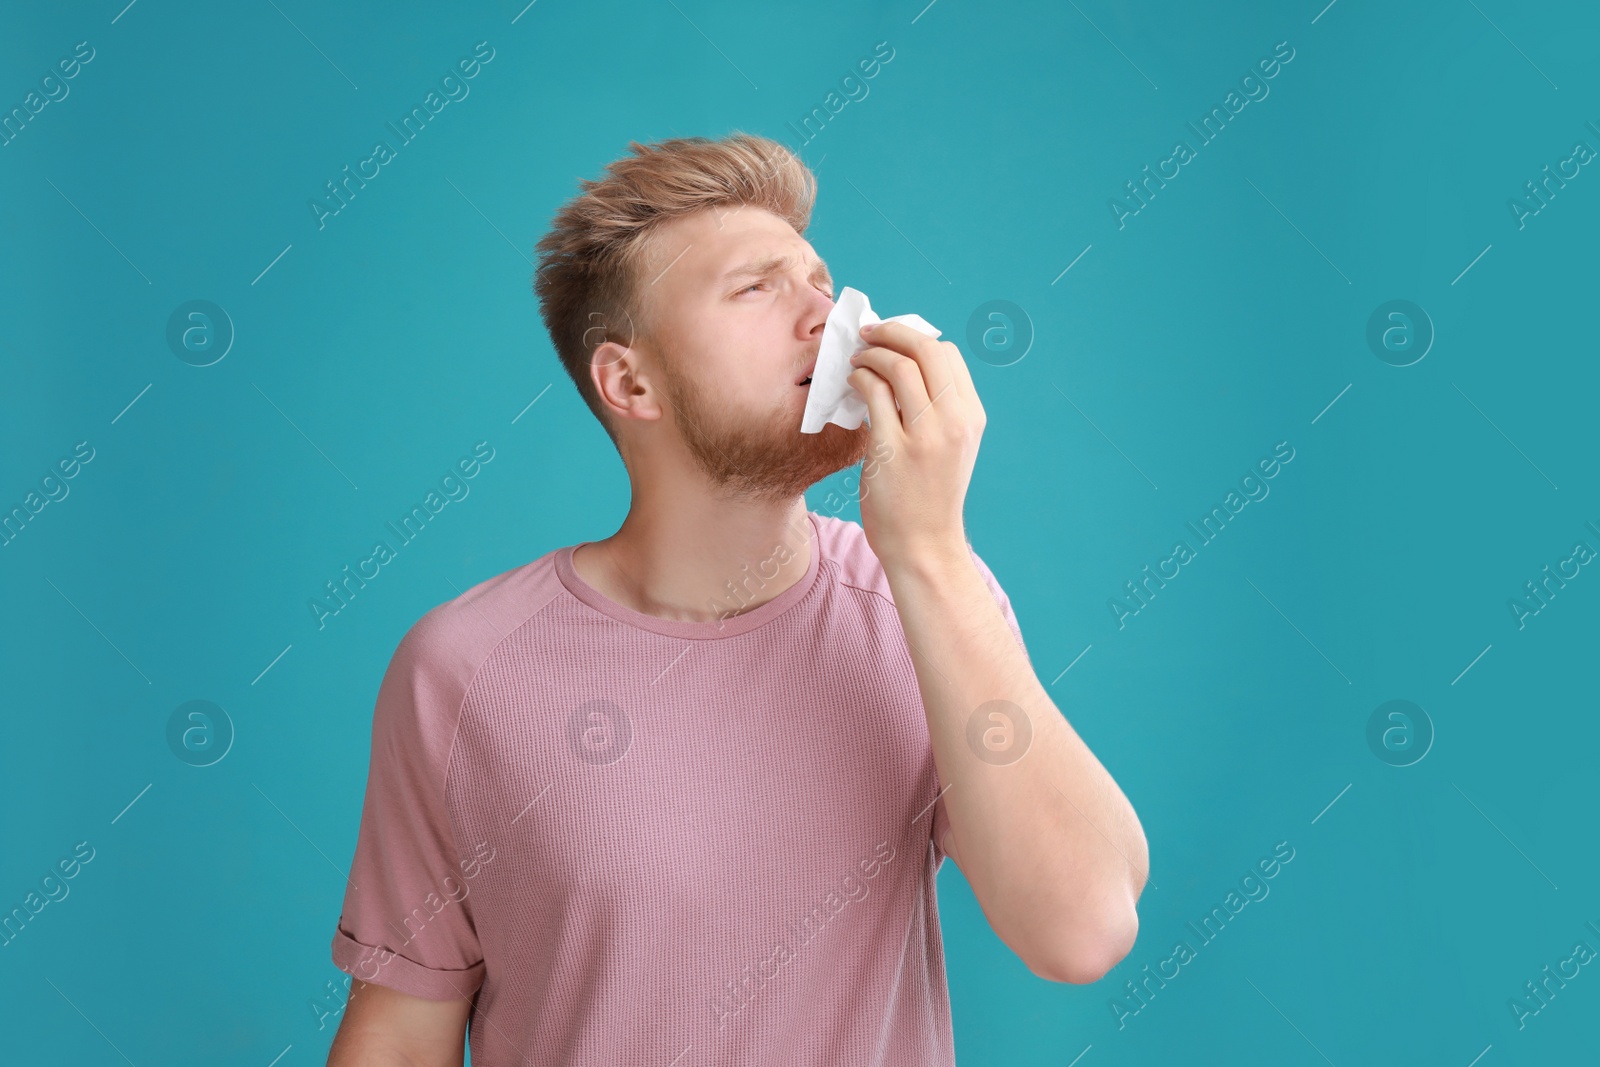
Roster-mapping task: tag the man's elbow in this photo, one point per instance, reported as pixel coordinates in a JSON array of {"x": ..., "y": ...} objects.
[{"x": 1089, "y": 955}]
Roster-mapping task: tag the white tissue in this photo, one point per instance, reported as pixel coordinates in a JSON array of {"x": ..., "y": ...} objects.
[{"x": 831, "y": 397}]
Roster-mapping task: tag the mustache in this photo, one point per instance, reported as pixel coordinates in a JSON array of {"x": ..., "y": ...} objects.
[{"x": 813, "y": 354}]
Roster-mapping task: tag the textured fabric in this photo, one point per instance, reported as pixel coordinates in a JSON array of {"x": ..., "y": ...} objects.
[{"x": 639, "y": 841}]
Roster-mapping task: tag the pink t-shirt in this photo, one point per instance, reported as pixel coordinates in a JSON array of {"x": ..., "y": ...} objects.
[{"x": 644, "y": 842}]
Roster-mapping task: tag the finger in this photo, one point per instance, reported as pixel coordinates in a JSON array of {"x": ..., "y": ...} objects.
[
  {"x": 965, "y": 386},
  {"x": 937, "y": 373},
  {"x": 886, "y": 424},
  {"x": 902, "y": 374}
]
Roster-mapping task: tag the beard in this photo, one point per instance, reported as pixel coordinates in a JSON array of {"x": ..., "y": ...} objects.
[{"x": 761, "y": 455}]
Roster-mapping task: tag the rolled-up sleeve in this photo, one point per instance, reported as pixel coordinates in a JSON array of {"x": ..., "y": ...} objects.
[{"x": 407, "y": 920}]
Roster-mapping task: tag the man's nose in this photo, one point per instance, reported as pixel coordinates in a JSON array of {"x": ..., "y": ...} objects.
[{"x": 827, "y": 304}]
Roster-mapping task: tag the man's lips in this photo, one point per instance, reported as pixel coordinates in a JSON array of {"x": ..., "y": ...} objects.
[{"x": 805, "y": 376}]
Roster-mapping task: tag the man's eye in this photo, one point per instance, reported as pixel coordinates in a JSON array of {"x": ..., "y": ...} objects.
[{"x": 759, "y": 285}]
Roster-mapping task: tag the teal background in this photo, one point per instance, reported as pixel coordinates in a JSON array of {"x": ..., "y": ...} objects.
[{"x": 1228, "y": 315}]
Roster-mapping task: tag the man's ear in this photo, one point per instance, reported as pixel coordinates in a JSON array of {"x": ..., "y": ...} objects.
[{"x": 622, "y": 384}]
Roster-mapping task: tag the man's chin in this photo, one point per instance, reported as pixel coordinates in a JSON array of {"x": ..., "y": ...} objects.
[
  {"x": 763, "y": 460},
  {"x": 784, "y": 471},
  {"x": 833, "y": 449}
]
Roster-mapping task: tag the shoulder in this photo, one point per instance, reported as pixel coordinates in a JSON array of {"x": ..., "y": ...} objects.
[
  {"x": 436, "y": 660},
  {"x": 844, "y": 543}
]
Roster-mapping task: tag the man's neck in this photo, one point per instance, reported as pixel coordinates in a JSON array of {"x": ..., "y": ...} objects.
[{"x": 700, "y": 564}]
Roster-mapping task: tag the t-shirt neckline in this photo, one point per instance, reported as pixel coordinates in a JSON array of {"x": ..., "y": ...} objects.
[{"x": 729, "y": 627}]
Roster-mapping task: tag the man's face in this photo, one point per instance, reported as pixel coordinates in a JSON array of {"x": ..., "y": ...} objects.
[{"x": 738, "y": 301}]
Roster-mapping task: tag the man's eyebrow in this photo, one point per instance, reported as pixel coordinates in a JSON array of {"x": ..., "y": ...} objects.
[{"x": 772, "y": 264}]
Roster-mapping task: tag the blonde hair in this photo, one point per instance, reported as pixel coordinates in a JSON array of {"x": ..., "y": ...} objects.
[{"x": 588, "y": 280}]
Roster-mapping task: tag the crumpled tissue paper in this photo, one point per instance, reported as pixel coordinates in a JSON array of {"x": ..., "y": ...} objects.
[{"x": 831, "y": 397}]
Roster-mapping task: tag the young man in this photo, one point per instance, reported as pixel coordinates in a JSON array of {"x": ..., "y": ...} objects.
[{"x": 679, "y": 796}]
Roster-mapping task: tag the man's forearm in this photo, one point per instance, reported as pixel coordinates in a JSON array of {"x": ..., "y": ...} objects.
[{"x": 1050, "y": 845}]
